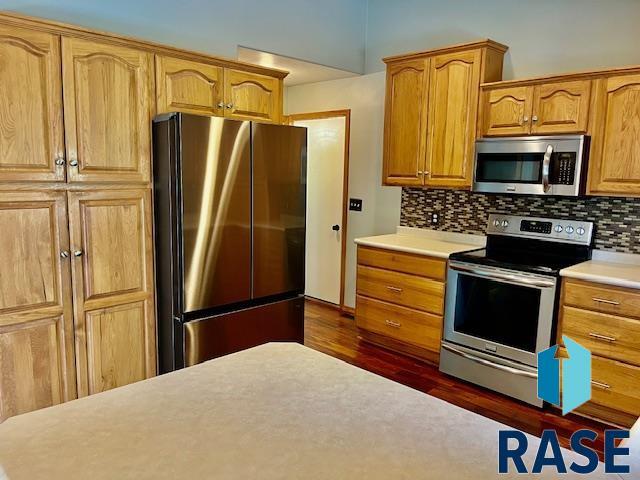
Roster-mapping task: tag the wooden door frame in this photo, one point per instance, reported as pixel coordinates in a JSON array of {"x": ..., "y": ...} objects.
[{"x": 346, "y": 114}]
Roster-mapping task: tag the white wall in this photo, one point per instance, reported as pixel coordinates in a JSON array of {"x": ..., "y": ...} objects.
[
  {"x": 544, "y": 36},
  {"x": 381, "y": 205},
  {"x": 330, "y": 32}
]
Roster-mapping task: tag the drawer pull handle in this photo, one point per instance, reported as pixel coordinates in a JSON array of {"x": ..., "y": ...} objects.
[
  {"x": 604, "y": 338},
  {"x": 393, "y": 324},
  {"x": 601, "y": 385},
  {"x": 394, "y": 289},
  {"x": 604, "y": 300}
]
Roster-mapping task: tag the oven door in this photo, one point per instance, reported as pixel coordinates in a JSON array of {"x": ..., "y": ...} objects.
[
  {"x": 500, "y": 312},
  {"x": 530, "y": 165}
]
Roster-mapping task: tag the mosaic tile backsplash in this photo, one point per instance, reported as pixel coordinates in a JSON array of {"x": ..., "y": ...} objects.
[{"x": 617, "y": 220}]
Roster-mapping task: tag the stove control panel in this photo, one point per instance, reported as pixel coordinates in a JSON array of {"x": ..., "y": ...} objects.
[{"x": 553, "y": 229}]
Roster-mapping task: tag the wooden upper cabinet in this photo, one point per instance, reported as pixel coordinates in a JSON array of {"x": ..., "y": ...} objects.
[
  {"x": 251, "y": 96},
  {"x": 36, "y": 323},
  {"x": 31, "y": 133},
  {"x": 405, "y": 122},
  {"x": 108, "y": 109},
  {"x": 615, "y": 151},
  {"x": 507, "y": 111},
  {"x": 453, "y": 104},
  {"x": 188, "y": 86},
  {"x": 112, "y": 252},
  {"x": 561, "y": 107}
]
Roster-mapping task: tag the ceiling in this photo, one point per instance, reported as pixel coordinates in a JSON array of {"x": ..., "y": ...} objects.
[{"x": 300, "y": 71}]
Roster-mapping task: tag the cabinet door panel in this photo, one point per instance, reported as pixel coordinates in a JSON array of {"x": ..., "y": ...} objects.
[
  {"x": 453, "y": 103},
  {"x": 113, "y": 286},
  {"x": 507, "y": 111},
  {"x": 186, "y": 86},
  {"x": 405, "y": 123},
  {"x": 36, "y": 326},
  {"x": 250, "y": 96},
  {"x": 108, "y": 109},
  {"x": 561, "y": 107},
  {"x": 31, "y": 137},
  {"x": 615, "y": 151}
]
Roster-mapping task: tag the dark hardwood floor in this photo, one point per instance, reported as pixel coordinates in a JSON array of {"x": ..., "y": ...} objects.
[{"x": 329, "y": 332}]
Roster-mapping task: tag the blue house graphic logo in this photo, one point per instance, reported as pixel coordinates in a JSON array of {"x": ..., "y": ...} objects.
[{"x": 576, "y": 375}]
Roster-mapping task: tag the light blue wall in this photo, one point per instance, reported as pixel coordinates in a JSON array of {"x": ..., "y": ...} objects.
[
  {"x": 329, "y": 32},
  {"x": 544, "y": 36}
]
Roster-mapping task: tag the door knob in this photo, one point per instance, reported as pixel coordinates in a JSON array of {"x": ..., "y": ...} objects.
[{"x": 336, "y": 228}]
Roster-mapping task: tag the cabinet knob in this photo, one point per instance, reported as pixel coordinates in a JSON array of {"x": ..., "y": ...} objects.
[
  {"x": 229, "y": 105},
  {"x": 420, "y": 172},
  {"x": 534, "y": 119},
  {"x": 77, "y": 253},
  {"x": 525, "y": 119},
  {"x": 64, "y": 254},
  {"x": 220, "y": 104},
  {"x": 73, "y": 162},
  {"x": 60, "y": 161}
]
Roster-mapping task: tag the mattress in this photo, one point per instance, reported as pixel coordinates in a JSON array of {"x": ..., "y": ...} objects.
[{"x": 276, "y": 411}]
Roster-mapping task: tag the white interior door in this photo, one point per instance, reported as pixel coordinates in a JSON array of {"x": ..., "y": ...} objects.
[{"x": 325, "y": 174}]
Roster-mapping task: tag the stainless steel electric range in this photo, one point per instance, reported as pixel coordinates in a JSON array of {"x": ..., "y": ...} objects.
[{"x": 501, "y": 301}]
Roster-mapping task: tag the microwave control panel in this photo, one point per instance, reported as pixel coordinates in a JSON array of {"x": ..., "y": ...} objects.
[{"x": 563, "y": 168}]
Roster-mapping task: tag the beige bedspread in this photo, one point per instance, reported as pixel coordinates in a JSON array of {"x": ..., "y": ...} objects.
[{"x": 278, "y": 411}]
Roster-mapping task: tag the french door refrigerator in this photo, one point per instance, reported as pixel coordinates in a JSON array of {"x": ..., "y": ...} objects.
[{"x": 229, "y": 201}]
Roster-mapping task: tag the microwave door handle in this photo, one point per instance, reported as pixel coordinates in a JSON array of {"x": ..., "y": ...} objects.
[
  {"x": 509, "y": 278},
  {"x": 546, "y": 163}
]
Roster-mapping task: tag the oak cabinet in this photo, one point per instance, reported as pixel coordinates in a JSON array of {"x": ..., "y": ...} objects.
[
  {"x": 188, "y": 86},
  {"x": 507, "y": 111},
  {"x": 31, "y": 132},
  {"x": 542, "y": 109},
  {"x": 453, "y": 105},
  {"x": 615, "y": 150},
  {"x": 111, "y": 248},
  {"x": 405, "y": 122},
  {"x": 431, "y": 111},
  {"x": 108, "y": 111},
  {"x": 36, "y": 323},
  {"x": 251, "y": 96}
]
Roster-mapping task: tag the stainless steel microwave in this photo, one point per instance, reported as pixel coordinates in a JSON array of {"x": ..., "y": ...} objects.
[{"x": 553, "y": 165}]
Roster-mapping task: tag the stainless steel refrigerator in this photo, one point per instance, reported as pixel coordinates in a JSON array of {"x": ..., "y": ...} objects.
[{"x": 229, "y": 202}]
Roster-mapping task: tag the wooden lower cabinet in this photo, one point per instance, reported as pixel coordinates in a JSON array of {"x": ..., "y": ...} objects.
[
  {"x": 36, "y": 320},
  {"x": 599, "y": 318},
  {"x": 112, "y": 256},
  {"x": 400, "y": 301}
]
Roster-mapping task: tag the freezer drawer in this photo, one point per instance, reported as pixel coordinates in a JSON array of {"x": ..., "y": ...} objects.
[{"x": 223, "y": 334}]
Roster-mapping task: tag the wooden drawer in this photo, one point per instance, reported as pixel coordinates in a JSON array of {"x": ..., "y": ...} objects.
[
  {"x": 606, "y": 335},
  {"x": 400, "y": 288},
  {"x": 403, "y": 262},
  {"x": 616, "y": 385},
  {"x": 601, "y": 298},
  {"x": 401, "y": 323}
]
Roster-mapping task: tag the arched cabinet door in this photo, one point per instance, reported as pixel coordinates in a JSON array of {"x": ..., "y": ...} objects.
[
  {"x": 453, "y": 103},
  {"x": 561, "y": 107},
  {"x": 31, "y": 133},
  {"x": 188, "y": 86},
  {"x": 507, "y": 111},
  {"x": 251, "y": 96},
  {"x": 405, "y": 122},
  {"x": 108, "y": 110},
  {"x": 614, "y": 166}
]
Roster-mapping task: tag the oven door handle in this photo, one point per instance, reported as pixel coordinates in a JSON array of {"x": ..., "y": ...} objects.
[
  {"x": 489, "y": 363},
  {"x": 546, "y": 164},
  {"x": 501, "y": 276}
]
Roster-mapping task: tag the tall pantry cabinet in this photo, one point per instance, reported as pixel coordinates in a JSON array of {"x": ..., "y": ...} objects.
[{"x": 76, "y": 283}]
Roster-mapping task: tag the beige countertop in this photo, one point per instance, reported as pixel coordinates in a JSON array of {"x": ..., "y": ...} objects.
[
  {"x": 421, "y": 241},
  {"x": 278, "y": 411},
  {"x": 610, "y": 268}
]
